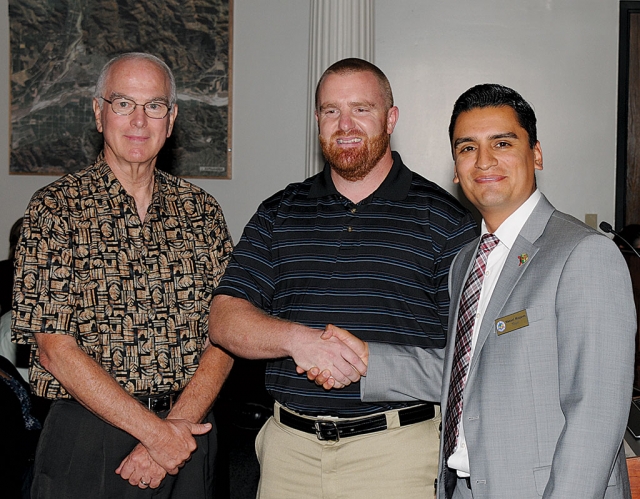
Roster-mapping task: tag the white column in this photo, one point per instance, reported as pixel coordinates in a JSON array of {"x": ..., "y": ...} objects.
[{"x": 338, "y": 29}]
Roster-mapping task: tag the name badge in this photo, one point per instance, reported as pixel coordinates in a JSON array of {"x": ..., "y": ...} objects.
[{"x": 512, "y": 322}]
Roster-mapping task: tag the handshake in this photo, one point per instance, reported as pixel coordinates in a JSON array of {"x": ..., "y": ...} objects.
[{"x": 335, "y": 359}]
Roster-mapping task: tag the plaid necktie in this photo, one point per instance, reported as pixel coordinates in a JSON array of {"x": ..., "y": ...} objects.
[{"x": 462, "y": 351}]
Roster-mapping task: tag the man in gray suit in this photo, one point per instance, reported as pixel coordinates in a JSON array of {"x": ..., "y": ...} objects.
[{"x": 538, "y": 366}]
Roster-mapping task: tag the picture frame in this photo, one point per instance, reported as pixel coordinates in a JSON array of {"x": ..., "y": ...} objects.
[{"x": 57, "y": 50}]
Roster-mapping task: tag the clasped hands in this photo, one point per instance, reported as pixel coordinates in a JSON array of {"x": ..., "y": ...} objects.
[
  {"x": 337, "y": 360},
  {"x": 148, "y": 463}
]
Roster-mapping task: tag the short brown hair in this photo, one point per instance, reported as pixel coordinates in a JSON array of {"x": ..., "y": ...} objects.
[{"x": 355, "y": 65}]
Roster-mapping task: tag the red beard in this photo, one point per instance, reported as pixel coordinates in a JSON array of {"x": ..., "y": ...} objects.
[{"x": 354, "y": 164}]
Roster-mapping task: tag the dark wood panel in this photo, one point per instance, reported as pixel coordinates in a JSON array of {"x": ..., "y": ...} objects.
[{"x": 632, "y": 208}]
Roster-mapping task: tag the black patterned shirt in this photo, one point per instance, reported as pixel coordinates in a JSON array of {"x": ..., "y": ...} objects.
[{"x": 135, "y": 295}]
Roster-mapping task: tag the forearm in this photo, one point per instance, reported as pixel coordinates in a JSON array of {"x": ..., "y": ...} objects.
[
  {"x": 89, "y": 384},
  {"x": 193, "y": 405},
  {"x": 242, "y": 329},
  {"x": 246, "y": 331},
  {"x": 200, "y": 393},
  {"x": 402, "y": 373}
]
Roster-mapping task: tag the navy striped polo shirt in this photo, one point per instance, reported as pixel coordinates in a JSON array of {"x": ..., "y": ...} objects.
[{"x": 377, "y": 268}]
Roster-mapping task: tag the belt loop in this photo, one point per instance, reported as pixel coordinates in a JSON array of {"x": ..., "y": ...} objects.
[
  {"x": 276, "y": 411},
  {"x": 393, "y": 419}
]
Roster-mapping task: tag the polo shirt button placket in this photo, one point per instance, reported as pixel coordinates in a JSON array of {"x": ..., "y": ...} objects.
[{"x": 352, "y": 210}]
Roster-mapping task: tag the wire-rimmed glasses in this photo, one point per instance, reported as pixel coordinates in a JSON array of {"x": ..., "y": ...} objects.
[{"x": 124, "y": 107}]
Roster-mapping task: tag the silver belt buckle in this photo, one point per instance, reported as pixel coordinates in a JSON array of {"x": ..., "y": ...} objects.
[{"x": 327, "y": 430}]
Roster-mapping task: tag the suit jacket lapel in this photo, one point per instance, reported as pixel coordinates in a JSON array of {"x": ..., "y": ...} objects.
[
  {"x": 512, "y": 272},
  {"x": 458, "y": 274}
]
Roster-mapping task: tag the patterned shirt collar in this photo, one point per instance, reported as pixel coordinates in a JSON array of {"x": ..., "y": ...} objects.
[{"x": 117, "y": 191}]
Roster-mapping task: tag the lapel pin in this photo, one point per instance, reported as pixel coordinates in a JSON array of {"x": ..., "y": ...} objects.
[{"x": 522, "y": 259}]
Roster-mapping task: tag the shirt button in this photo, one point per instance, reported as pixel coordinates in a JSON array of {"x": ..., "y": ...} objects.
[
  {"x": 349, "y": 229},
  {"x": 463, "y": 445},
  {"x": 353, "y": 210}
]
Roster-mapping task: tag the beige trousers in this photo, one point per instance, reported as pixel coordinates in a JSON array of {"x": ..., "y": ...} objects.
[{"x": 399, "y": 462}]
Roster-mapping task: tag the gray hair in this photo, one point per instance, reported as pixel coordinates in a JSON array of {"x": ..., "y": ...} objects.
[{"x": 104, "y": 73}]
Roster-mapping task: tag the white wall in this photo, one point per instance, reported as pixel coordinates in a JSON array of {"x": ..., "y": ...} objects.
[
  {"x": 269, "y": 121},
  {"x": 561, "y": 55}
]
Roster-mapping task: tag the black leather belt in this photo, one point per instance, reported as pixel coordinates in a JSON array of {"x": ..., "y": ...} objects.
[
  {"x": 159, "y": 403},
  {"x": 335, "y": 429}
]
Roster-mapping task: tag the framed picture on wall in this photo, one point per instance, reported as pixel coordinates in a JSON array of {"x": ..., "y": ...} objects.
[{"x": 58, "y": 48}]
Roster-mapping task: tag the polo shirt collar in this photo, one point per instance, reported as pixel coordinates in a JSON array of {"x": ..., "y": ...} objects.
[{"x": 395, "y": 186}]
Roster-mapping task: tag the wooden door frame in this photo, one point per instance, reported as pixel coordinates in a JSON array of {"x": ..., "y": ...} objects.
[{"x": 627, "y": 9}]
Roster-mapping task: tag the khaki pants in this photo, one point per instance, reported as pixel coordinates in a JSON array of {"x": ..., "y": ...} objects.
[{"x": 399, "y": 462}]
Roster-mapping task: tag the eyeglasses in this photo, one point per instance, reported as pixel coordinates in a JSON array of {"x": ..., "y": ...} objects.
[{"x": 125, "y": 107}]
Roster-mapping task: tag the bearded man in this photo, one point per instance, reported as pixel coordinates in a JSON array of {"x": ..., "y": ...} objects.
[{"x": 365, "y": 245}]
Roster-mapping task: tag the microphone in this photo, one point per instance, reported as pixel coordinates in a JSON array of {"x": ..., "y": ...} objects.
[{"x": 606, "y": 227}]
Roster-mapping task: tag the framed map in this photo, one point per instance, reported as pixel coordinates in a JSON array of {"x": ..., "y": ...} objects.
[{"x": 58, "y": 48}]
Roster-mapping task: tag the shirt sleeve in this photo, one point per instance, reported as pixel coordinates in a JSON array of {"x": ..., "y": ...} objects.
[
  {"x": 44, "y": 294},
  {"x": 251, "y": 274},
  {"x": 220, "y": 242},
  {"x": 464, "y": 232},
  {"x": 596, "y": 330}
]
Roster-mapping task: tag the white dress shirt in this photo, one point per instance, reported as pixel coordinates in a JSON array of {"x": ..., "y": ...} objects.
[{"x": 507, "y": 234}]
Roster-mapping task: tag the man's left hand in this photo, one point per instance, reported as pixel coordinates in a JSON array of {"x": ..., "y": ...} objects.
[{"x": 140, "y": 470}]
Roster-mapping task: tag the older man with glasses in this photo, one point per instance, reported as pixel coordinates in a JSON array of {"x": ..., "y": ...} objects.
[{"x": 114, "y": 277}]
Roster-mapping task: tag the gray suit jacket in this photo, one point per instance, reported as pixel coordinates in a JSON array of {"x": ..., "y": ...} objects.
[{"x": 545, "y": 405}]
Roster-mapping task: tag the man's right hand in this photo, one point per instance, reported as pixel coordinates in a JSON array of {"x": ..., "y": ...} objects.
[
  {"x": 329, "y": 378},
  {"x": 328, "y": 353},
  {"x": 147, "y": 466},
  {"x": 244, "y": 330},
  {"x": 173, "y": 445}
]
